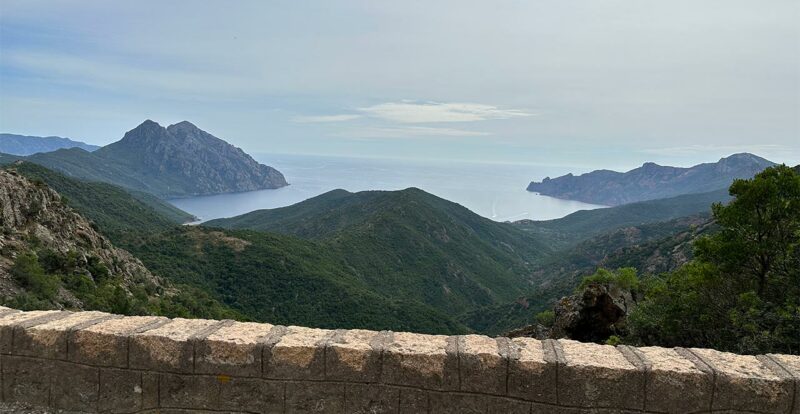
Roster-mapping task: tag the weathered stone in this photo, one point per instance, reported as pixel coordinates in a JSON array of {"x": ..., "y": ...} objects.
[
  {"x": 248, "y": 394},
  {"x": 413, "y": 401},
  {"x": 106, "y": 343},
  {"x": 674, "y": 383},
  {"x": 371, "y": 399},
  {"x": 482, "y": 368},
  {"x": 791, "y": 363},
  {"x": 75, "y": 387},
  {"x": 9, "y": 321},
  {"x": 745, "y": 383},
  {"x": 220, "y": 393},
  {"x": 314, "y": 397},
  {"x": 150, "y": 390},
  {"x": 7, "y": 311},
  {"x": 424, "y": 361},
  {"x": 120, "y": 391},
  {"x": 500, "y": 405},
  {"x": 49, "y": 339},
  {"x": 530, "y": 377},
  {"x": 354, "y": 355},
  {"x": 27, "y": 380},
  {"x": 168, "y": 348},
  {"x": 457, "y": 403},
  {"x": 299, "y": 354},
  {"x": 186, "y": 391},
  {"x": 232, "y": 350},
  {"x": 598, "y": 376}
]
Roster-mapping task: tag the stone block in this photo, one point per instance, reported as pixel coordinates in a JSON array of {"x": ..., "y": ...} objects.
[
  {"x": 530, "y": 376},
  {"x": 500, "y": 405},
  {"x": 791, "y": 363},
  {"x": 413, "y": 401},
  {"x": 457, "y": 403},
  {"x": 186, "y": 391},
  {"x": 371, "y": 399},
  {"x": 27, "y": 380},
  {"x": 675, "y": 384},
  {"x": 10, "y": 320},
  {"x": 49, "y": 339},
  {"x": 120, "y": 391},
  {"x": 75, "y": 387},
  {"x": 598, "y": 376},
  {"x": 422, "y": 361},
  {"x": 106, "y": 343},
  {"x": 482, "y": 367},
  {"x": 150, "y": 385},
  {"x": 745, "y": 383},
  {"x": 248, "y": 394},
  {"x": 298, "y": 354},
  {"x": 220, "y": 393},
  {"x": 354, "y": 355},
  {"x": 314, "y": 397},
  {"x": 170, "y": 347},
  {"x": 235, "y": 349}
]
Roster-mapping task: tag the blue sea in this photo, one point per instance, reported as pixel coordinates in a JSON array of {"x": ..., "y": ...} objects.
[{"x": 495, "y": 191}]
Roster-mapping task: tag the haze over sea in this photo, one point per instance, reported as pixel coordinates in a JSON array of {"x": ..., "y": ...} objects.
[{"x": 495, "y": 191}]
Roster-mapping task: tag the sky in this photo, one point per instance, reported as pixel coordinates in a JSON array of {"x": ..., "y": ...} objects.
[{"x": 585, "y": 83}]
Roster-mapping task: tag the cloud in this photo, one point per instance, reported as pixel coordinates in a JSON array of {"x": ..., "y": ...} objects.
[
  {"x": 409, "y": 132},
  {"x": 425, "y": 112},
  {"x": 325, "y": 118}
]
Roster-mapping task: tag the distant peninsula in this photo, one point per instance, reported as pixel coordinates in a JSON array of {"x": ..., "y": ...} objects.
[
  {"x": 650, "y": 181},
  {"x": 28, "y": 145}
]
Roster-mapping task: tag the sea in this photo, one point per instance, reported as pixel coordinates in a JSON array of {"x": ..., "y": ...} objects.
[{"x": 493, "y": 190}]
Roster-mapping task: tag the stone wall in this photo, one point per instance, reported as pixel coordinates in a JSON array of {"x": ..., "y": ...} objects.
[{"x": 97, "y": 362}]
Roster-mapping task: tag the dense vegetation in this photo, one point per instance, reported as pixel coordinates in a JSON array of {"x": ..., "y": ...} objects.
[
  {"x": 742, "y": 291},
  {"x": 582, "y": 225},
  {"x": 283, "y": 280},
  {"x": 51, "y": 279},
  {"x": 653, "y": 248},
  {"x": 411, "y": 244}
]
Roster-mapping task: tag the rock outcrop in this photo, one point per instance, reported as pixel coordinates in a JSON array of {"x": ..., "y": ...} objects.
[
  {"x": 34, "y": 217},
  {"x": 594, "y": 314}
]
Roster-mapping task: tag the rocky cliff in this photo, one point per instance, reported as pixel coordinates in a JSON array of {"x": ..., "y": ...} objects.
[{"x": 35, "y": 221}]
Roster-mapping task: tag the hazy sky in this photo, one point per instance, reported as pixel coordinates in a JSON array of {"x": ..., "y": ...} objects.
[{"x": 584, "y": 83}]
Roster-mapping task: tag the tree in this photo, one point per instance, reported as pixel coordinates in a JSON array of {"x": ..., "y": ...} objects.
[{"x": 742, "y": 291}]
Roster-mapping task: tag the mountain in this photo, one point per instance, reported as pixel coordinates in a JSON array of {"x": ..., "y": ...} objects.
[
  {"x": 585, "y": 224},
  {"x": 26, "y": 145},
  {"x": 410, "y": 244},
  {"x": 113, "y": 209},
  {"x": 184, "y": 161},
  {"x": 178, "y": 161},
  {"x": 650, "y": 181}
]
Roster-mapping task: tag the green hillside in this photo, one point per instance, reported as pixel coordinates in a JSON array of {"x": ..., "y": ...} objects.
[
  {"x": 652, "y": 248},
  {"x": 411, "y": 244},
  {"x": 282, "y": 280},
  {"x": 114, "y": 210},
  {"x": 585, "y": 224}
]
